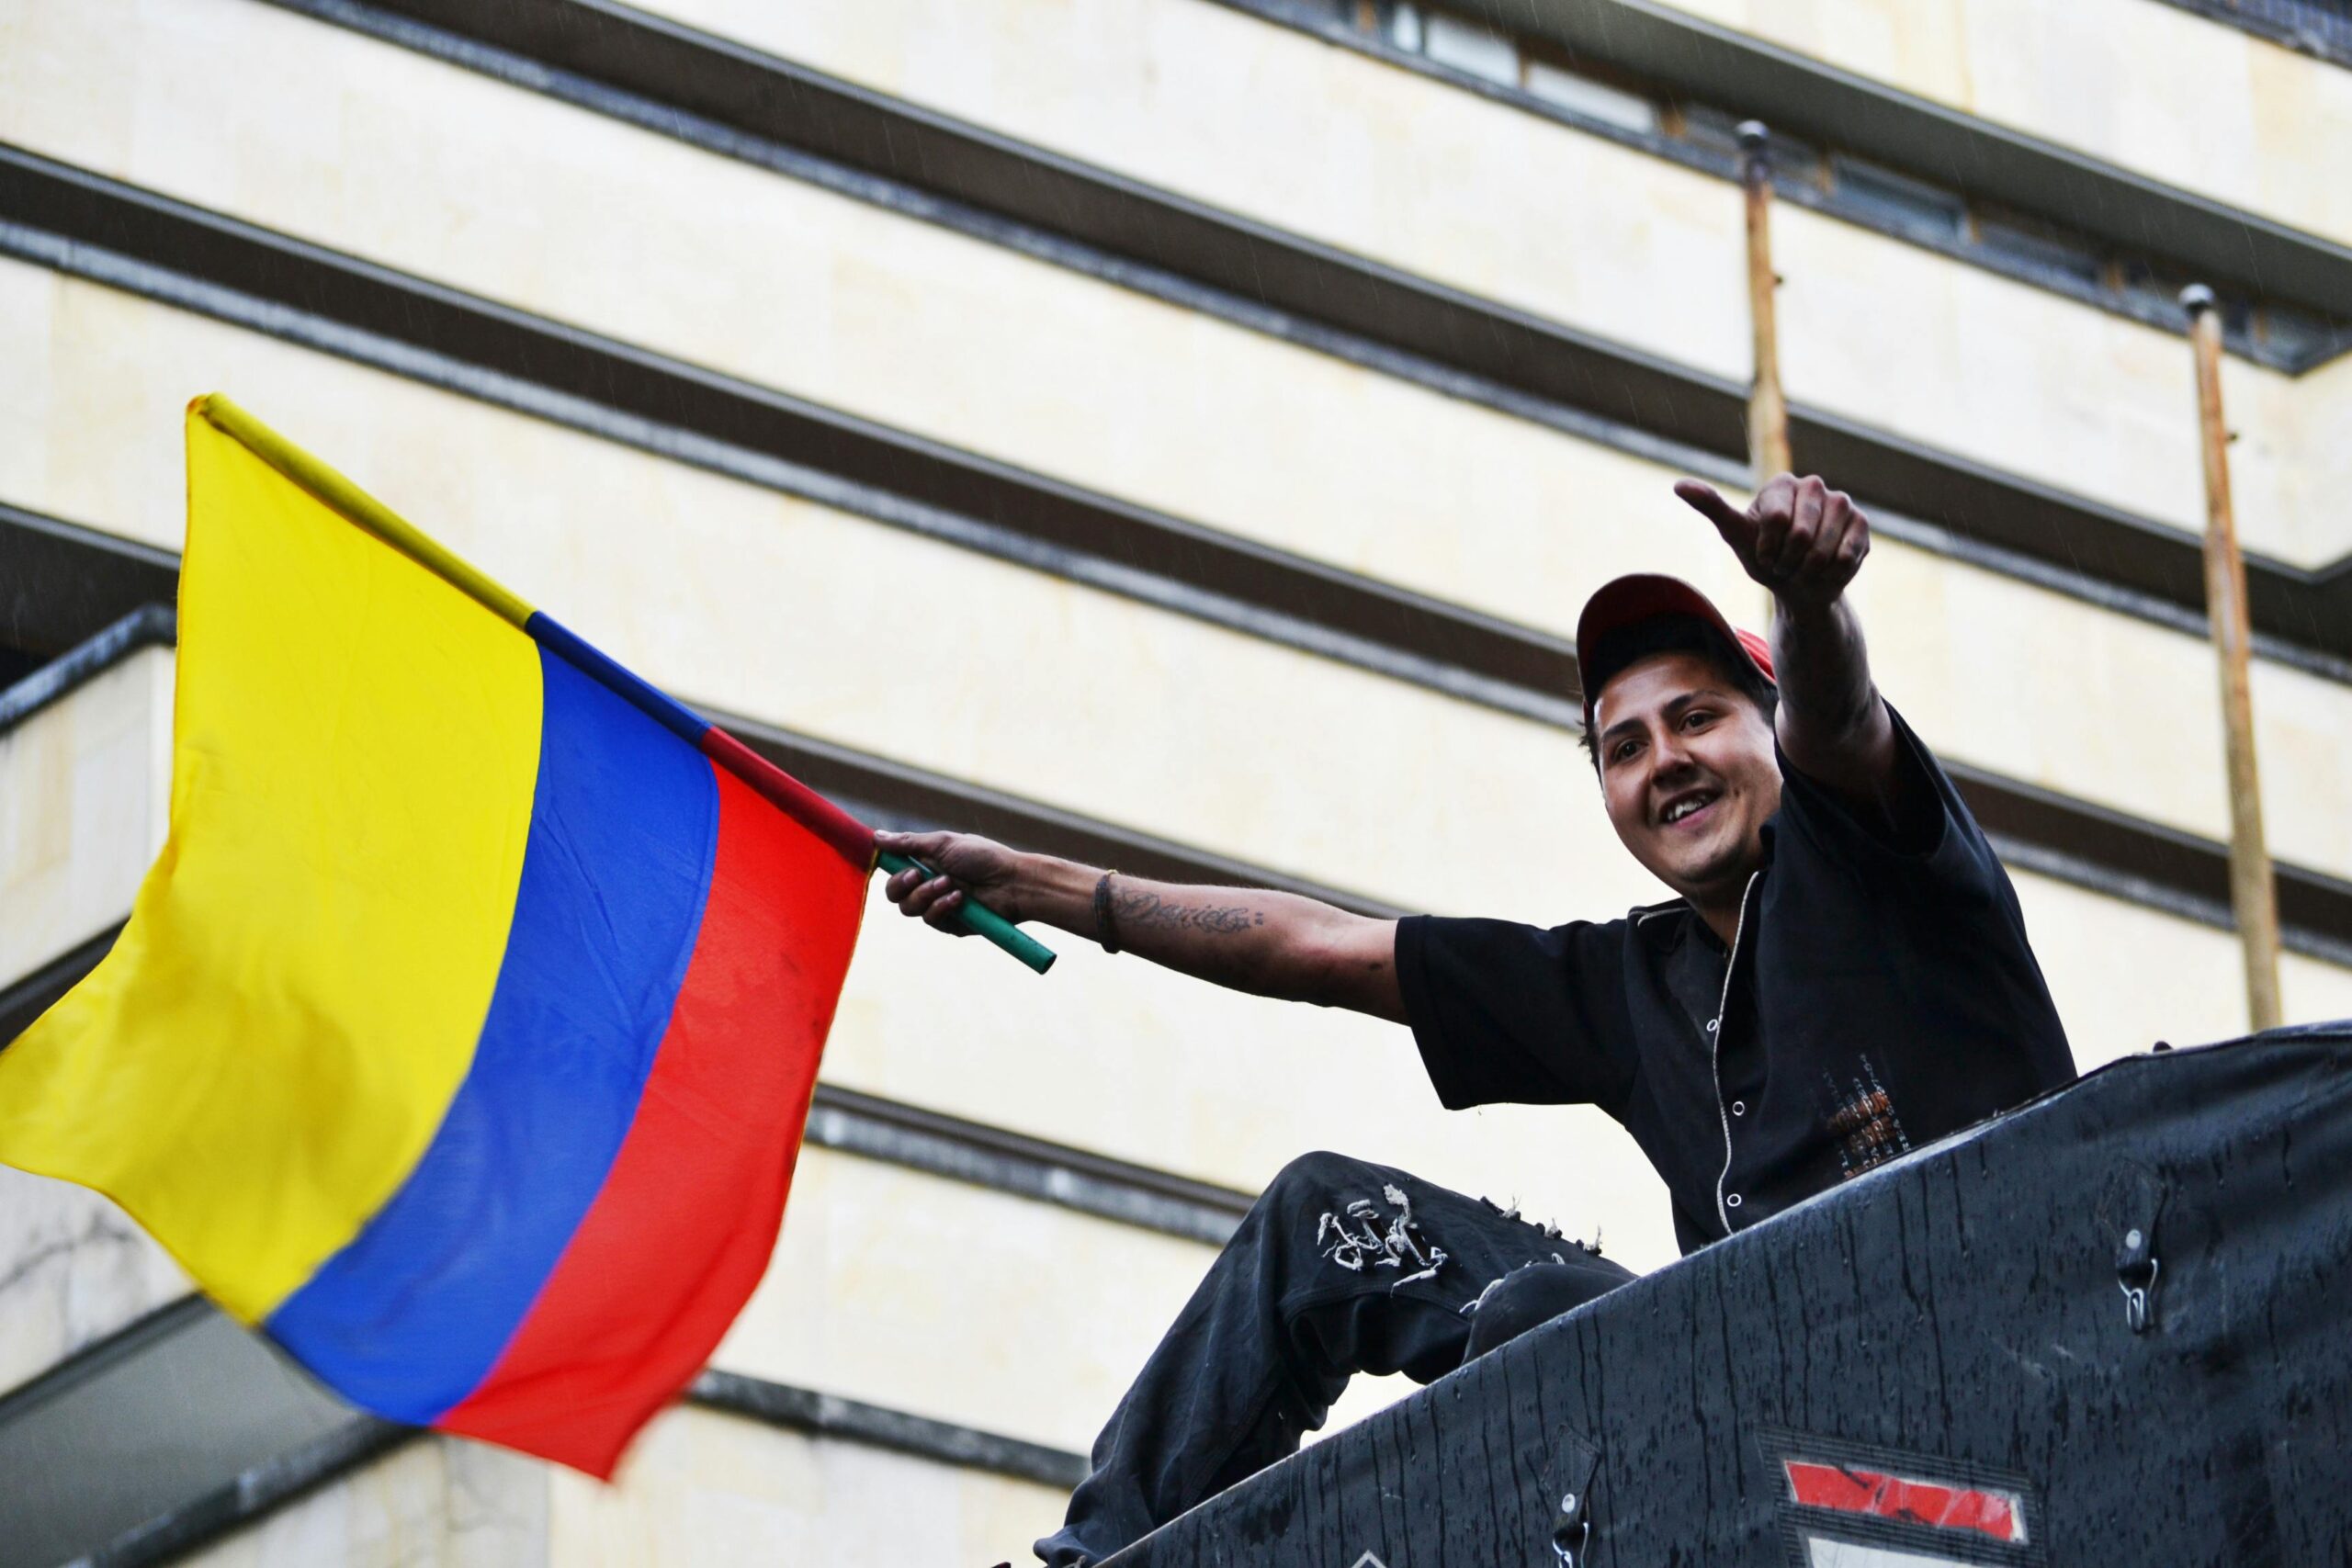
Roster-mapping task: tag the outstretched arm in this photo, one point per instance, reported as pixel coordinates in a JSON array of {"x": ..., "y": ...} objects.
[
  {"x": 1805, "y": 542},
  {"x": 1270, "y": 944}
]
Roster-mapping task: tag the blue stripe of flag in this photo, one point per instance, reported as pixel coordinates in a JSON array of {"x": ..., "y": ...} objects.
[{"x": 414, "y": 1314}]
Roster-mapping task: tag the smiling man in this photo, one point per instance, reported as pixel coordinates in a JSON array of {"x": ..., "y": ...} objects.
[{"x": 1843, "y": 975}]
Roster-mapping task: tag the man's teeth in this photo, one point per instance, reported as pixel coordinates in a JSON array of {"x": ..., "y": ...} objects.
[{"x": 1681, "y": 808}]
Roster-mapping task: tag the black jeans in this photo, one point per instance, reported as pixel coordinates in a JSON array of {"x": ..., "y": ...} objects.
[{"x": 1342, "y": 1267}]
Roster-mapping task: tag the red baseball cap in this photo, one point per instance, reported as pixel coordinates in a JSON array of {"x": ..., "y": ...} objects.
[{"x": 1628, "y": 601}]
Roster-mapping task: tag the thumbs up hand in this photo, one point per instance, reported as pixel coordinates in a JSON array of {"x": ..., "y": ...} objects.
[{"x": 1798, "y": 537}]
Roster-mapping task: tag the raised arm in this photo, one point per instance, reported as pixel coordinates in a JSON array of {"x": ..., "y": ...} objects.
[
  {"x": 1270, "y": 944},
  {"x": 1804, "y": 542}
]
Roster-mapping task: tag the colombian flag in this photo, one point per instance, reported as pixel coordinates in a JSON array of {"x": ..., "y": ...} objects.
[{"x": 462, "y": 1036}]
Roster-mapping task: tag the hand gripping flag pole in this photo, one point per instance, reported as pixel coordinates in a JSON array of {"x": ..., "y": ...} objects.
[{"x": 981, "y": 920}]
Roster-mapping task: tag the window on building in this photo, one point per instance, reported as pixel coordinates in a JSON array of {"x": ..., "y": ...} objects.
[
  {"x": 2298, "y": 338},
  {"x": 1592, "y": 100},
  {"x": 1899, "y": 201},
  {"x": 2038, "y": 248},
  {"x": 1401, "y": 22},
  {"x": 1470, "y": 48}
]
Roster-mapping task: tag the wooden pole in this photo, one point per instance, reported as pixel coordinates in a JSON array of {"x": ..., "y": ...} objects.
[
  {"x": 1767, "y": 411},
  {"x": 2253, "y": 894}
]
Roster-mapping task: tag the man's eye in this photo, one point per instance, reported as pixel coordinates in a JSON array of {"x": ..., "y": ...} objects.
[
  {"x": 1698, "y": 718},
  {"x": 1622, "y": 749}
]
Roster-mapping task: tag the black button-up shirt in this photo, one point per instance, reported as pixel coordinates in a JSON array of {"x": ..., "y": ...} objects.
[{"x": 1881, "y": 995}]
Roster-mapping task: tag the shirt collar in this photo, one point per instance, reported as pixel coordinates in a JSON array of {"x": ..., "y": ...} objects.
[{"x": 1664, "y": 926}]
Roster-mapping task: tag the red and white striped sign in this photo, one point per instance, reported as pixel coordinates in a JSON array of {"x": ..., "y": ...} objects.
[{"x": 1906, "y": 1500}]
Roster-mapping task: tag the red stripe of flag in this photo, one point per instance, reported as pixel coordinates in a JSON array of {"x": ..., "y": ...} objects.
[
  {"x": 682, "y": 1228},
  {"x": 1996, "y": 1514},
  {"x": 854, "y": 838}
]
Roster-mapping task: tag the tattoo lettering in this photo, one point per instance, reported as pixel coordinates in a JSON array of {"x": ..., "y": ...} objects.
[{"x": 1138, "y": 908}]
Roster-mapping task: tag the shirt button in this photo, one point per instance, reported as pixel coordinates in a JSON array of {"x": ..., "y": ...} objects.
[
  {"x": 1739, "y": 1108},
  {"x": 1711, "y": 1023},
  {"x": 1732, "y": 1201}
]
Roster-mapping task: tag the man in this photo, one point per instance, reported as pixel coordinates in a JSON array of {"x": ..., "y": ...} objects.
[{"x": 1842, "y": 976}]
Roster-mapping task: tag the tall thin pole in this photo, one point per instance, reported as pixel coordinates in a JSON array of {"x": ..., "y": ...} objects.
[
  {"x": 2253, "y": 894},
  {"x": 1767, "y": 411}
]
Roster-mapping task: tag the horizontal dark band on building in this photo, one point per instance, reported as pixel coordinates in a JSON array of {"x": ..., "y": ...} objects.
[
  {"x": 982, "y": 1155},
  {"x": 149, "y": 626},
  {"x": 252, "y": 1495},
  {"x": 61, "y": 583},
  {"x": 734, "y": 100},
  {"x": 2321, "y": 28},
  {"x": 155, "y": 1366},
  {"x": 831, "y": 1415},
  {"x": 119, "y": 1456},
  {"x": 27, "y": 997}
]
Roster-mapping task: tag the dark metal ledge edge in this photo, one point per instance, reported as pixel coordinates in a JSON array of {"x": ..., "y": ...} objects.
[
  {"x": 150, "y": 626},
  {"x": 99, "y": 1356},
  {"x": 28, "y": 995},
  {"x": 240, "y": 1498},
  {"x": 59, "y": 582},
  {"x": 849, "y": 1122},
  {"x": 252, "y": 1495},
  {"x": 831, "y": 1415},
  {"x": 898, "y": 794},
  {"x": 729, "y": 99},
  {"x": 2330, "y": 43}
]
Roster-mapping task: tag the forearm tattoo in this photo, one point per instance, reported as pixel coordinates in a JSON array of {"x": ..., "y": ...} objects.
[{"x": 1138, "y": 908}]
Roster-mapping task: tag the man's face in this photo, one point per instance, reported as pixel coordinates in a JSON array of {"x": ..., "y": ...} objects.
[{"x": 1688, "y": 773}]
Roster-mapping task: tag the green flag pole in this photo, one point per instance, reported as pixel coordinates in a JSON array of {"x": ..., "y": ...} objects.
[{"x": 981, "y": 921}]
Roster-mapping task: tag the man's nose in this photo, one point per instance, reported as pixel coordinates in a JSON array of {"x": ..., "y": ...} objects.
[{"x": 1668, "y": 754}]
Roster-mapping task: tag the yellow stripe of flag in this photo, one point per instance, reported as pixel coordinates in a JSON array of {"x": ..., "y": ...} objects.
[{"x": 354, "y": 754}]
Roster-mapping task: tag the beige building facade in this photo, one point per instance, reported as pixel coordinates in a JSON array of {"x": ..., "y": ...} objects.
[{"x": 1177, "y": 434}]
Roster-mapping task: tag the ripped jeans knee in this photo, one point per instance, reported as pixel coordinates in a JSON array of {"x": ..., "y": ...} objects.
[{"x": 1359, "y": 1236}]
